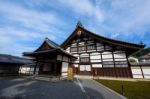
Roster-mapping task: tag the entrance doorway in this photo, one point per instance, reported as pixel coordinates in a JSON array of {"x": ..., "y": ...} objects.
[{"x": 49, "y": 68}]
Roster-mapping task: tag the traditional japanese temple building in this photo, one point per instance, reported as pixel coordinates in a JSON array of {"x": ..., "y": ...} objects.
[{"x": 87, "y": 53}]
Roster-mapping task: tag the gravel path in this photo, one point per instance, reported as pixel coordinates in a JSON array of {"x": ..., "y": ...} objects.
[{"x": 19, "y": 88}]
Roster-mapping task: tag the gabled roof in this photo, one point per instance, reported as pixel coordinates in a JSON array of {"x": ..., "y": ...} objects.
[
  {"x": 9, "y": 59},
  {"x": 102, "y": 39},
  {"x": 50, "y": 43}
]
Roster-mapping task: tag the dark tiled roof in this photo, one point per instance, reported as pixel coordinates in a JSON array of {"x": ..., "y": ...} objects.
[
  {"x": 52, "y": 44},
  {"x": 4, "y": 58},
  {"x": 113, "y": 41}
]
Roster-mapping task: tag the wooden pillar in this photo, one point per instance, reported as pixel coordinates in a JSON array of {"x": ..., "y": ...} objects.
[
  {"x": 55, "y": 68},
  {"x": 102, "y": 64},
  {"x": 114, "y": 64},
  {"x": 129, "y": 67},
  {"x": 35, "y": 66},
  {"x": 142, "y": 71}
]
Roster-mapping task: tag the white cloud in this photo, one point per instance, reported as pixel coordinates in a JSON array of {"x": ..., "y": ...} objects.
[
  {"x": 111, "y": 18},
  {"x": 25, "y": 25},
  {"x": 85, "y": 8}
]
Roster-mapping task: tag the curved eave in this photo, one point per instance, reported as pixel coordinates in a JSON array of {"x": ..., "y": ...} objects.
[{"x": 104, "y": 39}]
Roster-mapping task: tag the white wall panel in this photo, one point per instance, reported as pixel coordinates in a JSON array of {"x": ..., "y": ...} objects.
[
  {"x": 136, "y": 71},
  {"x": 97, "y": 65},
  {"x": 91, "y": 50},
  {"x": 122, "y": 55},
  {"x": 95, "y": 53},
  {"x": 107, "y": 59},
  {"x": 137, "y": 76},
  {"x": 26, "y": 69},
  {"x": 147, "y": 76},
  {"x": 64, "y": 67},
  {"x": 68, "y": 50},
  {"x": 84, "y": 55},
  {"x": 88, "y": 67},
  {"x": 120, "y": 59},
  {"x": 146, "y": 70},
  {"x": 107, "y": 52},
  {"x": 82, "y": 68},
  {"x": 95, "y": 57},
  {"x": 106, "y": 56},
  {"x": 64, "y": 74},
  {"x": 75, "y": 65},
  {"x": 96, "y": 60},
  {"x": 85, "y": 67}
]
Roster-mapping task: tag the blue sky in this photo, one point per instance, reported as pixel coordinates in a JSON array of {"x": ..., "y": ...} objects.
[{"x": 25, "y": 23}]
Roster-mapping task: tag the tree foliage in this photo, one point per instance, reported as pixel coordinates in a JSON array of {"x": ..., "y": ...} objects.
[{"x": 141, "y": 53}]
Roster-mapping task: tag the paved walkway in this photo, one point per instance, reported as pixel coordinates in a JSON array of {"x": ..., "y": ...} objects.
[
  {"x": 94, "y": 90},
  {"x": 19, "y": 88}
]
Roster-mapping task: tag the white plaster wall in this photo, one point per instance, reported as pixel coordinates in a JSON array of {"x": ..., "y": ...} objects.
[
  {"x": 104, "y": 56},
  {"x": 64, "y": 74},
  {"x": 75, "y": 65},
  {"x": 95, "y": 57},
  {"x": 26, "y": 70},
  {"x": 147, "y": 77},
  {"x": 64, "y": 68},
  {"x": 122, "y": 55},
  {"x": 97, "y": 65},
  {"x": 85, "y": 68},
  {"x": 81, "y": 43},
  {"x": 137, "y": 76},
  {"x": 108, "y": 60},
  {"x": 96, "y": 60},
  {"x": 77, "y": 60},
  {"x": 95, "y": 53},
  {"x": 136, "y": 71},
  {"x": 107, "y": 52},
  {"x": 68, "y": 50},
  {"x": 91, "y": 50},
  {"x": 146, "y": 70},
  {"x": 124, "y": 59}
]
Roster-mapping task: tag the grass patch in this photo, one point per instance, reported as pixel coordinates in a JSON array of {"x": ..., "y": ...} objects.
[{"x": 132, "y": 90}]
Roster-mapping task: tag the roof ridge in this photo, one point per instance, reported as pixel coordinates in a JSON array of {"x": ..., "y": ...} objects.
[{"x": 52, "y": 43}]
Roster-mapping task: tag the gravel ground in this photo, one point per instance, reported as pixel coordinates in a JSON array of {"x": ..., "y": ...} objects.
[{"x": 19, "y": 88}]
